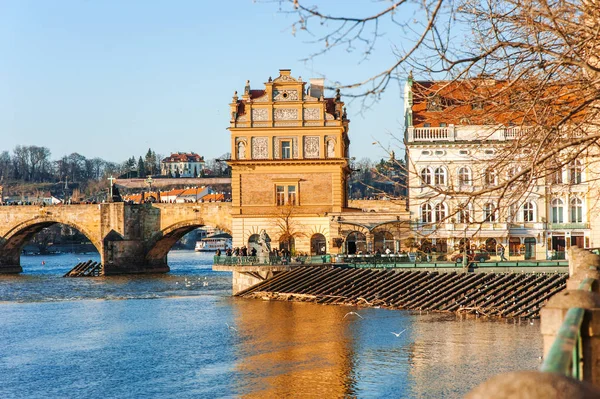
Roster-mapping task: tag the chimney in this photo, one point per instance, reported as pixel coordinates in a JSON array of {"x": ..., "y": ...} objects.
[{"x": 317, "y": 87}]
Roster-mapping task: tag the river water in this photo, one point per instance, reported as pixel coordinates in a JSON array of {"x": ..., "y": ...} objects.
[{"x": 181, "y": 335}]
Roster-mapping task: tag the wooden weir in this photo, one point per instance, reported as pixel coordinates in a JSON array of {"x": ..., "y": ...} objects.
[
  {"x": 504, "y": 294},
  {"x": 86, "y": 269}
]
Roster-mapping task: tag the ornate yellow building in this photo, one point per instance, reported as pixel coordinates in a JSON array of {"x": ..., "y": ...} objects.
[{"x": 289, "y": 163}]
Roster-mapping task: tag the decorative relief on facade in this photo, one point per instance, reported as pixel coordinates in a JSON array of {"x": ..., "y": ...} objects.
[
  {"x": 285, "y": 95},
  {"x": 285, "y": 78},
  {"x": 260, "y": 114},
  {"x": 295, "y": 154},
  {"x": 276, "y": 141},
  {"x": 312, "y": 124},
  {"x": 294, "y": 123},
  {"x": 261, "y": 99},
  {"x": 242, "y": 118},
  {"x": 329, "y": 117},
  {"x": 260, "y": 147},
  {"x": 312, "y": 114},
  {"x": 311, "y": 147},
  {"x": 286, "y": 114}
]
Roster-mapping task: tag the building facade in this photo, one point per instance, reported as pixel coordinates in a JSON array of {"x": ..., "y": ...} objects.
[
  {"x": 289, "y": 163},
  {"x": 182, "y": 164},
  {"x": 454, "y": 157}
]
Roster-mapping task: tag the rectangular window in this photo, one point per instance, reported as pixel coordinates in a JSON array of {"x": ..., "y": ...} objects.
[
  {"x": 286, "y": 150},
  {"x": 443, "y": 124},
  {"x": 280, "y": 195},
  {"x": 286, "y": 194},
  {"x": 291, "y": 197},
  {"x": 426, "y": 124},
  {"x": 557, "y": 214}
]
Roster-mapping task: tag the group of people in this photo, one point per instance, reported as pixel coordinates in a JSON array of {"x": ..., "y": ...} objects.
[{"x": 243, "y": 251}]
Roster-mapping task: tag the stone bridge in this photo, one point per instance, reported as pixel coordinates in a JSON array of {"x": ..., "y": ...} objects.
[{"x": 131, "y": 238}]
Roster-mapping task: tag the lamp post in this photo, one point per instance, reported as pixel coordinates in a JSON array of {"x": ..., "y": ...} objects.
[{"x": 464, "y": 259}]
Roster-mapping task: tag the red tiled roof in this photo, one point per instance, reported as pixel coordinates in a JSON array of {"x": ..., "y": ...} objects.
[{"x": 183, "y": 157}]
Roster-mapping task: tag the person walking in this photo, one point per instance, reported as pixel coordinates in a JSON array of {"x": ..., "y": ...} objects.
[{"x": 501, "y": 250}]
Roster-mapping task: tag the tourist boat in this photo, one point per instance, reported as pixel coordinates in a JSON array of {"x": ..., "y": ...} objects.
[{"x": 212, "y": 243}]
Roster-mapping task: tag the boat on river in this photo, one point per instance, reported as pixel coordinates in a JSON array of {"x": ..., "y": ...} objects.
[{"x": 214, "y": 242}]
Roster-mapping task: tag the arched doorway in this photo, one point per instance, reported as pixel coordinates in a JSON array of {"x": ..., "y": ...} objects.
[
  {"x": 287, "y": 242},
  {"x": 530, "y": 247},
  {"x": 490, "y": 245},
  {"x": 318, "y": 244},
  {"x": 384, "y": 240},
  {"x": 253, "y": 243},
  {"x": 356, "y": 243}
]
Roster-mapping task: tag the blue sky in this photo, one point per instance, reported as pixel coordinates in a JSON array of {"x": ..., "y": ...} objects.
[{"x": 110, "y": 79}]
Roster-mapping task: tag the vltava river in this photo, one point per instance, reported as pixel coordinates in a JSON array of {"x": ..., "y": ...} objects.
[{"x": 167, "y": 336}]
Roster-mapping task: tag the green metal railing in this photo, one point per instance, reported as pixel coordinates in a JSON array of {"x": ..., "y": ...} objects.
[
  {"x": 375, "y": 261},
  {"x": 565, "y": 354}
]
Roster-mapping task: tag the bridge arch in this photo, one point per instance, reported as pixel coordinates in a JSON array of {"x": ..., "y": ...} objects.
[
  {"x": 162, "y": 241},
  {"x": 12, "y": 243}
]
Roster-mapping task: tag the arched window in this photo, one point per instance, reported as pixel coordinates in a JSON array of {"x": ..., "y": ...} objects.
[
  {"x": 356, "y": 243},
  {"x": 576, "y": 210},
  {"x": 491, "y": 177},
  {"x": 318, "y": 244},
  {"x": 464, "y": 177},
  {"x": 575, "y": 172},
  {"x": 529, "y": 212},
  {"x": 440, "y": 212},
  {"x": 426, "y": 214},
  {"x": 557, "y": 211},
  {"x": 489, "y": 212},
  {"x": 440, "y": 176},
  {"x": 426, "y": 176}
]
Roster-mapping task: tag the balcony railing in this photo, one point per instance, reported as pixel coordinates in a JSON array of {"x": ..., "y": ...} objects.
[{"x": 464, "y": 133}]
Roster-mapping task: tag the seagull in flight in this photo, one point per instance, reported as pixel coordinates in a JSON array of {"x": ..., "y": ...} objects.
[
  {"x": 230, "y": 327},
  {"x": 398, "y": 334},
  {"x": 353, "y": 313}
]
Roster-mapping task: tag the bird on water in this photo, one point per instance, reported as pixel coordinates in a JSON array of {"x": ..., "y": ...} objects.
[{"x": 398, "y": 334}]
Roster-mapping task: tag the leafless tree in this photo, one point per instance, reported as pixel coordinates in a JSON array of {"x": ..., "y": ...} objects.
[{"x": 542, "y": 56}]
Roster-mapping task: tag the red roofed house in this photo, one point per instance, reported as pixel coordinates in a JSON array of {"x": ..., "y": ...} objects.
[{"x": 182, "y": 164}]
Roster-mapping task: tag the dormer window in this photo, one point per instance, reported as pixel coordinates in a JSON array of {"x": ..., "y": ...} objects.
[
  {"x": 434, "y": 103},
  {"x": 477, "y": 105}
]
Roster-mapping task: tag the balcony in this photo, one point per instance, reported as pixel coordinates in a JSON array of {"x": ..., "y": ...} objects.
[
  {"x": 568, "y": 226},
  {"x": 463, "y": 133}
]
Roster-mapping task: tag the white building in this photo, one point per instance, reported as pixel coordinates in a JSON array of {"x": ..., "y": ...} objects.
[
  {"x": 454, "y": 157},
  {"x": 181, "y": 164}
]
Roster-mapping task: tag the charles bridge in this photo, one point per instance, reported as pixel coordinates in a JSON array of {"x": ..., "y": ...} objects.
[{"x": 131, "y": 238}]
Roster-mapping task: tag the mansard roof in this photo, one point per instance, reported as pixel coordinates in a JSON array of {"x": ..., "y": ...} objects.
[
  {"x": 183, "y": 157},
  {"x": 486, "y": 101}
]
